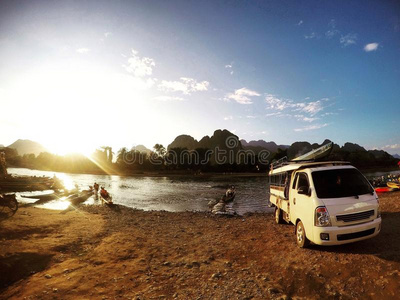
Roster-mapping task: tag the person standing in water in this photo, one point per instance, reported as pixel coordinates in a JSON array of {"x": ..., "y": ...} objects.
[{"x": 96, "y": 189}]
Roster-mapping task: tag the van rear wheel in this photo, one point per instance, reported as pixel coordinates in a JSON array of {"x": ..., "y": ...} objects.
[
  {"x": 278, "y": 215},
  {"x": 301, "y": 238}
]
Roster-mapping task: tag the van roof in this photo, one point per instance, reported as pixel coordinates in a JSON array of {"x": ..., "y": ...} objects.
[{"x": 291, "y": 166}]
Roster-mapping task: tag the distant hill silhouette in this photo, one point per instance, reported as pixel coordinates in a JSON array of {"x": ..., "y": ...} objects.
[
  {"x": 184, "y": 141},
  {"x": 1, "y": 146},
  {"x": 27, "y": 147},
  {"x": 350, "y": 147},
  {"x": 220, "y": 139},
  {"x": 396, "y": 156},
  {"x": 259, "y": 145},
  {"x": 141, "y": 149}
]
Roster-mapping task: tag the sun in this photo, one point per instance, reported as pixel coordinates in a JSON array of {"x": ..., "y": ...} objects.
[{"x": 77, "y": 108}]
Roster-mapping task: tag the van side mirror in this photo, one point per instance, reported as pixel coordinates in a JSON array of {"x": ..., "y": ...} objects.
[{"x": 304, "y": 190}]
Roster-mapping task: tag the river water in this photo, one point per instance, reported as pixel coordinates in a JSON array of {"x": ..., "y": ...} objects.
[{"x": 170, "y": 193}]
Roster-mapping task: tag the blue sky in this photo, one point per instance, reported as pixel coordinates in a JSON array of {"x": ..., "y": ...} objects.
[{"x": 76, "y": 75}]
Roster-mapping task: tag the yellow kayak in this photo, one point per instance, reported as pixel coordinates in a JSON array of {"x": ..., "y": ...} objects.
[{"x": 393, "y": 184}]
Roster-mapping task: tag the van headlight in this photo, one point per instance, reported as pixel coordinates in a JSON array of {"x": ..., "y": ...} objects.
[{"x": 322, "y": 218}]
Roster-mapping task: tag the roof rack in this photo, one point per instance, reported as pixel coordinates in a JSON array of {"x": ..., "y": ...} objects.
[
  {"x": 284, "y": 162},
  {"x": 280, "y": 163}
]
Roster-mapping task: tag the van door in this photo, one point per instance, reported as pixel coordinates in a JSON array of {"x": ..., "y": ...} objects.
[
  {"x": 301, "y": 203},
  {"x": 292, "y": 197}
]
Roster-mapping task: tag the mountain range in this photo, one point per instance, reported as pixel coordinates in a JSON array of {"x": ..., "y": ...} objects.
[
  {"x": 259, "y": 145},
  {"x": 224, "y": 139},
  {"x": 27, "y": 147}
]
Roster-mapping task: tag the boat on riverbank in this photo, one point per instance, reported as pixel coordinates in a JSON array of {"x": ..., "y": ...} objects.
[
  {"x": 393, "y": 185},
  {"x": 79, "y": 198},
  {"x": 26, "y": 183},
  {"x": 107, "y": 201}
]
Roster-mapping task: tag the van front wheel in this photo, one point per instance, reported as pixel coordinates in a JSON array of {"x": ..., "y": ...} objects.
[
  {"x": 278, "y": 215},
  {"x": 301, "y": 237}
]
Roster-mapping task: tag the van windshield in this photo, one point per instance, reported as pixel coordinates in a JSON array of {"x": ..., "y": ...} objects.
[{"x": 340, "y": 183}]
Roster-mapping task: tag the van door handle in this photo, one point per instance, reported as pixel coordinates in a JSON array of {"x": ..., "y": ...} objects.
[{"x": 294, "y": 201}]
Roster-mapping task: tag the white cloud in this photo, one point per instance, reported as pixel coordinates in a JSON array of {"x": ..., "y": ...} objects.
[
  {"x": 371, "y": 47},
  {"x": 348, "y": 39},
  {"x": 300, "y": 22},
  {"x": 328, "y": 114},
  {"x": 273, "y": 114},
  {"x": 279, "y": 115},
  {"x": 311, "y": 108},
  {"x": 276, "y": 103},
  {"x": 228, "y": 118},
  {"x": 332, "y": 31},
  {"x": 392, "y": 147},
  {"x": 168, "y": 98},
  {"x": 306, "y": 119},
  {"x": 107, "y": 34},
  {"x": 251, "y": 117},
  {"x": 185, "y": 86},
  {"x": 310, "y": 36},
  {"x": 242, "y": 96},
  {"x": 230, "y": 66},
  {"x": 139, "y": 66},
  {"x": 83, "y": 50},
  {"x": 310, "y": 127},
  {"x": 173, "y": 86}
]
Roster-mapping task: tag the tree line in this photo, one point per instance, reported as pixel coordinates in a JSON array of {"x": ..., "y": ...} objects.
[{"x": 178, "y": 160}]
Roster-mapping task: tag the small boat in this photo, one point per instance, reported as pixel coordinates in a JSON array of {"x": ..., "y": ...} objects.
[
  {"x": 315, "y": 154},
  {"x": 383, "y": 189},
  {"x": 79, "y": 197},
  {"x": 393, "y": 184},
  {"x": 107, "y": 201},
  {"x": 45, "y": 197}
]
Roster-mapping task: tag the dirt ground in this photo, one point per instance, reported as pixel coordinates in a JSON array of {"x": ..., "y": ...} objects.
[{"x": 102, "y": 253}]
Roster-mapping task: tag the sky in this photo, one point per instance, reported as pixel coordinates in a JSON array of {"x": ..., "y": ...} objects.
[{"x": 76, "y": 75}]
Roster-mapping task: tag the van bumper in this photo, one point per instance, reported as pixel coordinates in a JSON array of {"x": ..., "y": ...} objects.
[{"x": 347, "y": 234}]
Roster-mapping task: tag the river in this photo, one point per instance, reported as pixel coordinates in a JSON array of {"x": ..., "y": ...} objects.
[{"x": 170, "y": 193}]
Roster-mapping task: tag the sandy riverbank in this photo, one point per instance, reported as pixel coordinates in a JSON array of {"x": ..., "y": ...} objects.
[{"x": 99, "y": 253}]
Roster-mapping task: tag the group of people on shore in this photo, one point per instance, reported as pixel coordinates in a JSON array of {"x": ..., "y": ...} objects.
[
  {"x": 383, "y": 180},
  {"x": 103, "y": 192}
]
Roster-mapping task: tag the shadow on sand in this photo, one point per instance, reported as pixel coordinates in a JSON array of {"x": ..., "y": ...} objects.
[
  {"x": 386, "y": 245},
  {"x": 21, "y": 265}
]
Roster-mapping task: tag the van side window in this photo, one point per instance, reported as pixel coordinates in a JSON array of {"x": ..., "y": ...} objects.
[
  {"x": 303, "y": 180},
  {"x": 295, "y": 180}
]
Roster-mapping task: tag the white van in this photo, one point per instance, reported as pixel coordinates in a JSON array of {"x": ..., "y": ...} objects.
[{"x": 330, "y": 203}]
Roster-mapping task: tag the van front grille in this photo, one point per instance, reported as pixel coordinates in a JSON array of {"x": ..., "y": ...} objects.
[
  {"x": 356, "y": 217},
  {"x": 355, "y": 235}
]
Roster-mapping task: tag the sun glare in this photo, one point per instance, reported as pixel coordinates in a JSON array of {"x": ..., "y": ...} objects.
[{"x": 80, "y": 108}]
